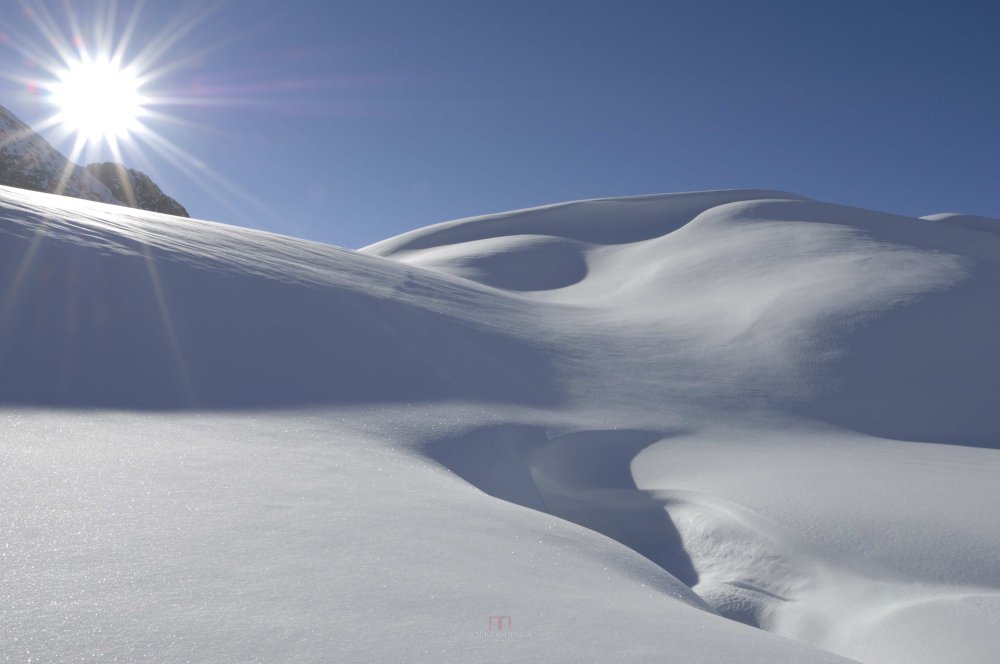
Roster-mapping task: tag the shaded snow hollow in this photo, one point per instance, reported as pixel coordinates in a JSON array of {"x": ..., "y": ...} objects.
[{"x": 658, "y": 428}]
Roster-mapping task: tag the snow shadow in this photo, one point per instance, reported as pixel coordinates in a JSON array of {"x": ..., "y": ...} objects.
[
  {"x": 583, "y": 477},
  {"x": 83, "y": 327},
  {"x": 924, "y": 371},
  {"x": 921, "y": 368}
]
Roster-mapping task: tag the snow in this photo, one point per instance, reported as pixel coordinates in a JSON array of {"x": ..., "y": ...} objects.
[
  {"x": 721, "y": 426},
  {"x": 972, "y": 221},
  {"x": 33, "y": 160}
]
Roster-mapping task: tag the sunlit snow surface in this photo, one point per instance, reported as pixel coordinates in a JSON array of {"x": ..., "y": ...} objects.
[{"x": 602, "y": 431}]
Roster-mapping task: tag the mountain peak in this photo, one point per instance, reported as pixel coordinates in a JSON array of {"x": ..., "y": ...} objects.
[
  {"x": 135, "y": 188},
  {"x": 28, "y": 161}
]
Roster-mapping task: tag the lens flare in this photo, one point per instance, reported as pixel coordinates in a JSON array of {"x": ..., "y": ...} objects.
[
  {"x": 108, "y": 77},
  {"x": 98, "y": 99}
]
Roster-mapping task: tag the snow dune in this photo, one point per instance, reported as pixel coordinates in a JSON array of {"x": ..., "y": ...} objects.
[
  {"x": 674, "y": 427},
  {"x": 134, "y": 310}
]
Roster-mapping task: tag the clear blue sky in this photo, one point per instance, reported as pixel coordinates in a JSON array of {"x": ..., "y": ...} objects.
[{"x": 354, "y": 121}]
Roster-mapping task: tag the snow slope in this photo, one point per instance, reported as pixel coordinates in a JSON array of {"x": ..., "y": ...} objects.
[{"x": 626, "y": 426}]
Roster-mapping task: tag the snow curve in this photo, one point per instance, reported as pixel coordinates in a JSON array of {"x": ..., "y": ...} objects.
[{"x": 716, "y": 426}]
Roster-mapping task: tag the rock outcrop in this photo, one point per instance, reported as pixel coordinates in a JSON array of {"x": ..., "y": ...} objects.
[{"x": 135, "y": 188}]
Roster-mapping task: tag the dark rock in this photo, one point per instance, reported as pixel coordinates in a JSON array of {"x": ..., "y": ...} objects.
[{"x": 135, "y": 188}]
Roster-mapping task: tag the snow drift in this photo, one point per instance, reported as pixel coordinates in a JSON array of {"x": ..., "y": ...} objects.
[{"x": 711, "y": 420}]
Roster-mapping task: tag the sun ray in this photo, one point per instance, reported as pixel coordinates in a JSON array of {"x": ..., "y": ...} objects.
[
  {"x": 104, "y": 45},
  {"x": 129, "y": 30},
  {"x": 78, "y": 38},
  {"x": 123, "y": 179},
  {"x": 203, "y": 176},
  {"x": 161, "y": 118},
  {"x": 195, "y": 55},
  {"x": 169, "y": 330},
  {"x": 49, "y": 27},
  {"x": 15, "y": 136},
  {"x": 10, "y": 296},
  {"x": 70, "y": 166},
  {"x": 174, "y": 32},
  {"x": 104, "y": 25}
]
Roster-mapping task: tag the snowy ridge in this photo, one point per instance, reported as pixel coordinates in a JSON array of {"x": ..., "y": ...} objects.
[
  {"x": 28, "y": 161},
  {"x": 975, "y": 222},
  {"x": 702, "y": 414}
]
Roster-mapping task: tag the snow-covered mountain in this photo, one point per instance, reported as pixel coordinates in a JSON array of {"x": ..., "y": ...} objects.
[
  {"x": 28, "y": 161},
  {"x": 135, "y": 188},
  {"x": 736, "y": 426}
]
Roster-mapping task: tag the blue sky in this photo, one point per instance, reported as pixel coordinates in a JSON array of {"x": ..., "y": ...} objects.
[{"x": 348, "y": 122}]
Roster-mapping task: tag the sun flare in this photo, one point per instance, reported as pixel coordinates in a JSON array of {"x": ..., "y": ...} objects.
[
  {"x": 98, "y": 99},
  {"x": 115, "y": 85}
]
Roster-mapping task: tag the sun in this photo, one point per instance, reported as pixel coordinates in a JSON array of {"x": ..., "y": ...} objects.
[
  {"x": 116, "y": 82},
  {"x": 98, "y": 99}
]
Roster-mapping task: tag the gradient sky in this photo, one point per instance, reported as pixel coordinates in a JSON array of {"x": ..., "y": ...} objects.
[{"x": 348, "y": 122}]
